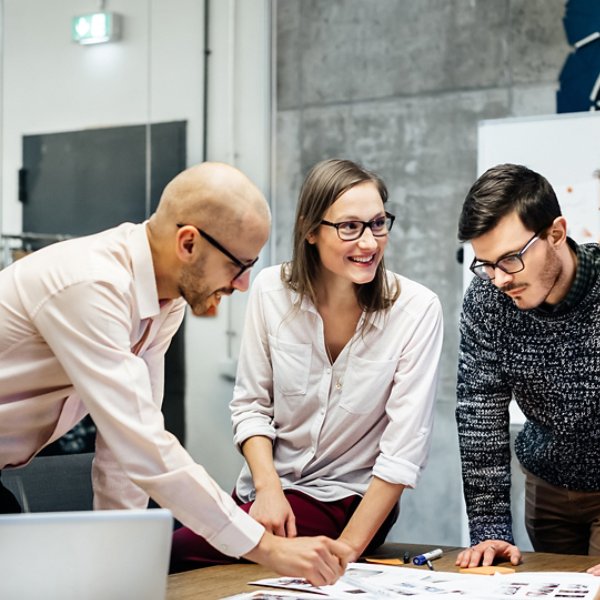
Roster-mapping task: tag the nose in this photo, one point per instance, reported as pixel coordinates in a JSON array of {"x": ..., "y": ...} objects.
[
  {"x": 501, "y": 278},
  {"x": 367, "y": 239},
  {"x": 242, "y": 283}
]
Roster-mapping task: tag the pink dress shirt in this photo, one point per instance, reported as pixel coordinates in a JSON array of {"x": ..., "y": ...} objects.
[{"x": 82, "y": 331}]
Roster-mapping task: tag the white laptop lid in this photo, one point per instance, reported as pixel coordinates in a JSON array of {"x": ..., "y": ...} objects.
[{"x": 87, "y": 555}]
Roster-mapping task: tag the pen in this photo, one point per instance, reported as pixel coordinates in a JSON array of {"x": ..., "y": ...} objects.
[
  {"x": 406, "y": 557},
  {"x": 427, "y": 557}
]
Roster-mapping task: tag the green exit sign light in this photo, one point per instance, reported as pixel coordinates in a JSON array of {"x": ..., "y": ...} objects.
[{"x": 96, "y": 28}]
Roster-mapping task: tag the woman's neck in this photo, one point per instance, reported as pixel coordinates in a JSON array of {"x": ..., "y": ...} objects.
[
  {"x": 336, "y": 294},
  {"x": 340, "y": 311}
]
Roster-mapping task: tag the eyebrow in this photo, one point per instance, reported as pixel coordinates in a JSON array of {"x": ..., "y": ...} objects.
[
  {"x": 356, "y": 218},
  {"x": 509, "y": 253}
]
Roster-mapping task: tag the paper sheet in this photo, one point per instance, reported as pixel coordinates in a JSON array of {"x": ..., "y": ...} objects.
[{"x": 368, "y": 581}]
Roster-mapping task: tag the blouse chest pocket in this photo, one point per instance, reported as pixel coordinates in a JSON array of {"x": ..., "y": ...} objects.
[
  {"x": 367, "y": 384},
  {"x": 291, "y": 366}
]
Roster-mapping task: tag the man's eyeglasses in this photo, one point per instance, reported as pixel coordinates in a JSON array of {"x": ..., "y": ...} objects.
[
  {"x": 211, "y": 240},
  {"x": 511, "y": 263},
  {"x": 353, "y": 230}
]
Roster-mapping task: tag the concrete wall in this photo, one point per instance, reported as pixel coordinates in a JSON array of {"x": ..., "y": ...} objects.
[{"x": 399, "y": 85}]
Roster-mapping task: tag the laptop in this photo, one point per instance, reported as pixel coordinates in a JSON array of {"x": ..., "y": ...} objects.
[{"x": 85, "y": 555}]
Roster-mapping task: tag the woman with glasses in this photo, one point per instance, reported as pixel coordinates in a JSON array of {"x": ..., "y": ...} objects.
[{"x": 333, "y": 401}]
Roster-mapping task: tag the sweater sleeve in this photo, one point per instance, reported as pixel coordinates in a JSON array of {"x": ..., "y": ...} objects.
[{"x": 483, "y": 397}]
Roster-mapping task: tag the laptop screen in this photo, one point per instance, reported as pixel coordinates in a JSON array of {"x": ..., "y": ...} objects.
[{"x": 88, "y": 555}]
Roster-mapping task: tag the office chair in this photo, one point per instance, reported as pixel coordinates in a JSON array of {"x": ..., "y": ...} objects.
[{"x": 53, "y": 483}]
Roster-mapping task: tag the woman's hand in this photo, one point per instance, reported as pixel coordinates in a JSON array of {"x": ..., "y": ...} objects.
[{"x": 273, "y": 511}]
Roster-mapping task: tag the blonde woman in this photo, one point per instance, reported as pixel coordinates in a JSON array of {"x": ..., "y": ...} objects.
[{"x": 333, "y": 402}]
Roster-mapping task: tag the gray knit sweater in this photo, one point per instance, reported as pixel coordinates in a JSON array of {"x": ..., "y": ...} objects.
[{"x": 550, "y": 363}]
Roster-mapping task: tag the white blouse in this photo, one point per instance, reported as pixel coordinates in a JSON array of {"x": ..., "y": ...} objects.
[{"x": 334, "y": 426}]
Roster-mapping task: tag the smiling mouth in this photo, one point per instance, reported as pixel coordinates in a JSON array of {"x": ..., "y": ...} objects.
[{"x": 362, "y": 260}]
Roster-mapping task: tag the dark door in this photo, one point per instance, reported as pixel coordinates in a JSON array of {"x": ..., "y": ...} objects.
[{"x": 81, "y": 182}]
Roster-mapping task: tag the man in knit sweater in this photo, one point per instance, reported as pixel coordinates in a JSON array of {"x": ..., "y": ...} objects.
[{"x": 530, "y": 330}]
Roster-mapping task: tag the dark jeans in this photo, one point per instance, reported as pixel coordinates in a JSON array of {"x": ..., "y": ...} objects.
[{"x": 8, "y": 503}]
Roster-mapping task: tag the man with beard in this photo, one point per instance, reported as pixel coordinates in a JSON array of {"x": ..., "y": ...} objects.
[
  {"x": 529, "y": 328},
  {"x": 84, "y": 326}
]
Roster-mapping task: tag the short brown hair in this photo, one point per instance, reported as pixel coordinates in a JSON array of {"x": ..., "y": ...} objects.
[{"x": 502, "y": 190}]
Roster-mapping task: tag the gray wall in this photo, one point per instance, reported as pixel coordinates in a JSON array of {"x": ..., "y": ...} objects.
[{"x": 399, "y": 85}]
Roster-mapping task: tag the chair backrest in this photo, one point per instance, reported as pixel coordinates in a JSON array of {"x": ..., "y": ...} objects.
[{"x": 53, "y": 483}]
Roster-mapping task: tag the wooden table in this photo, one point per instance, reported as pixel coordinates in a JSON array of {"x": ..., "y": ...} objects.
[{"x": 218, "y": 582}]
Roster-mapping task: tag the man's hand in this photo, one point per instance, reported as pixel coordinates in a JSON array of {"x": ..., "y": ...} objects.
[
  {"x": 485, "y": 552},
  {"x": 320, "y": 560},
  {"x": 594, "y": 570},
  {"x": 273, "y": 511},
  {"x": 355, "y": 553}
]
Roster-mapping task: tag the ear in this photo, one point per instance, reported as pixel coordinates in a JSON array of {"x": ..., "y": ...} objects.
[
  {"x": 186, "y": 241},
  {"x": 311, "y": 237},
  {"x": 557, "y": 234}
]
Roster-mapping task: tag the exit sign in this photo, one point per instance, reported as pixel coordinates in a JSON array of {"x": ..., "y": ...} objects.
[{"x": 96, "y": 28}]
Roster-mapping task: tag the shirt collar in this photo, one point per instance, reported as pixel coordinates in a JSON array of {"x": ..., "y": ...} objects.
[{"x": 144, "y": 280}]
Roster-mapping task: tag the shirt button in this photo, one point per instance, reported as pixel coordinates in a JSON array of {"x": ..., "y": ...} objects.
[{"x": 328, "y": 371}]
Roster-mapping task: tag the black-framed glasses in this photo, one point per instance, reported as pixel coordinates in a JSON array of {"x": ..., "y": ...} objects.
[
  {"x": 211, "y": 240},
  {"x": 510, "y": 264},
  {"x": 352, "y": 230}
]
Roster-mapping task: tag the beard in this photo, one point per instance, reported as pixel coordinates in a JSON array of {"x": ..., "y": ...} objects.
[
  {"x": 550, "y": 275},
  {"x": 200, "y": 297},
  {"x": 193, "y": 290}
]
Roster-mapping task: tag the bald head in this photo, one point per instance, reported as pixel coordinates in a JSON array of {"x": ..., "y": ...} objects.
[
  {"x": 206, "y": 193},
  {"x": 209, "y": 199}
]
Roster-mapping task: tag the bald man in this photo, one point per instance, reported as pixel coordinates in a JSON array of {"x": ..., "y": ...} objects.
[{"x": 84, "y": 326}]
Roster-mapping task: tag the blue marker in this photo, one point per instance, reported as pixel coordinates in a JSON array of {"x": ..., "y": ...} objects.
[{"x": 427, "y": 557}]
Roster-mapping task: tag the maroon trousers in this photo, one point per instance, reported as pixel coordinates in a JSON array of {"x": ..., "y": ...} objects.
[{"x": 313, "y": 517}]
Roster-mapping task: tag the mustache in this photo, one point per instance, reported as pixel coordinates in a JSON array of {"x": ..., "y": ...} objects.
[
  {"x": 511, "y": 286},
  {"x": 224, "y": 291}
]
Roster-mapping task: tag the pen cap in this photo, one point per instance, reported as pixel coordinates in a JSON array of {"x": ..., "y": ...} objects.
[{"x": 422, "y": 559}]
